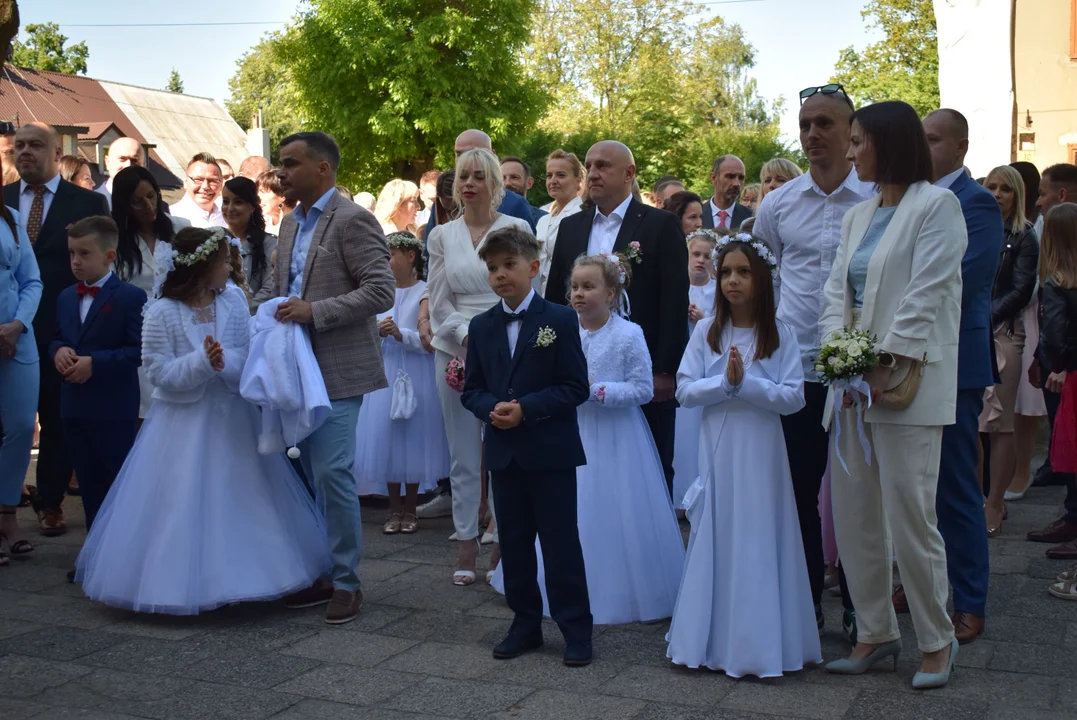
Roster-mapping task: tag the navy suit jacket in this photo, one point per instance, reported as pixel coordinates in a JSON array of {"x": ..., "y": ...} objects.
[
  {"x": 983, "y": 220},
  {"x": 112, "y": 338},
  {"x": 548, "y": 382}
]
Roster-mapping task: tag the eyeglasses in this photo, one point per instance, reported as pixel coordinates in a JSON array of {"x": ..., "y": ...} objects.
[
  {"x": 830, "y": 89},
  {"x": 209, "y": 182}
]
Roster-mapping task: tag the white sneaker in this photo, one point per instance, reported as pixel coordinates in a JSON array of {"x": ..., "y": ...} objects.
[{"x": 441, "y": 506}]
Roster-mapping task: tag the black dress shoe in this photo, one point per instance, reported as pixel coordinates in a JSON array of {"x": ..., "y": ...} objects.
[
  {"x": 516, "y": 645},
  {"x": 578, "y": 654},
  {"x": 71, "y": 576},
  {"x": 1046, "y": 477}
]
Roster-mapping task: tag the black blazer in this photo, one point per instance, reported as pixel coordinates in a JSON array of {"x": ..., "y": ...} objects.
[
  {"x": 71, "y": 204},
  {"x": 659, "y": 288},
  {"x": 740, "y": 214}
]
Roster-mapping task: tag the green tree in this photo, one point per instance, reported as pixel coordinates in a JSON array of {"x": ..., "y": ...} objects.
[
  {"x": 904, "y": 65},
  {"x": 175, "y": 84},
  {"x": 46, "y": 49},
  {"x": 263, "y": 83},
  {"x": 396, "y": 80}
]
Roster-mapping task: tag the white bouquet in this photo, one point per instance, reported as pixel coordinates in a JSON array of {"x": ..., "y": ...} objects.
[{"x": 842, "y": 362}]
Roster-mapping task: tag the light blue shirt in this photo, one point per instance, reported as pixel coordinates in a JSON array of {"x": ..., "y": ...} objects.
[
  {"x": 308, "y": 220},
  {"x": 20, "y": 287},
  {"x": 858, "y": 263}
]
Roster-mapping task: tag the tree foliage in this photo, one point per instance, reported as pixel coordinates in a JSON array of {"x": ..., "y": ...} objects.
[
  {"x": 175, "y": 84},
  {"x": 46, "y": 49},
  {"x": 904, "y": 65},
  {"x": 263, "y": 81},
  {"x": 396, "y": 80}
]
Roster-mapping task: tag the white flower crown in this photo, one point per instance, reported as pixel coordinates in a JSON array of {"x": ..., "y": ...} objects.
[
  {"x": 167, "y": 259},
  {"x": 703, "y": 233},
  {"x": 614, "y": 259},
  {"x": 403, "y": 240},
  {"x": 758, "y": 245}
]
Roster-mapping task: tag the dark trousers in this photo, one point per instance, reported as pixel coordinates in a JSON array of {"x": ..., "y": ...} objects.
[
  {"x": 542, "y": 504},
  {"x": 98, "y": 449},
  {"x": 53, "y": 459},
  {"x": 1052, "y": 400},
  {"x": 959, "y": 504},
  {"x": 808, "y": 444},
  {"x": 662, "y": 419}
]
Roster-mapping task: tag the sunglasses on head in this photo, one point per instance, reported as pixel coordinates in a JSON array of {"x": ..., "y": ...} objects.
[{"x": 829, "y": 89}]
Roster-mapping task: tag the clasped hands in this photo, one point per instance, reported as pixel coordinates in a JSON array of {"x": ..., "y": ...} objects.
[
  {"x": 214, "y": 353},
  {"x": 734, "y": 368},
  {"x": 507, "y": 415},
  {"x": 76, "y": 369},
  {"x": 878, "y": 379}
]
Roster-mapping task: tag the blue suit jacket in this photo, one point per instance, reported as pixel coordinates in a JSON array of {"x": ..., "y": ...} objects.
[
  {"x": 983, "y": 219},
  {"x": 548, "y": 382},
  {"x": 112, "y": 338}
]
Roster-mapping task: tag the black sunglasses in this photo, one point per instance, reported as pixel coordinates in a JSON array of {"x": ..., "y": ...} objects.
[
  {"x": 7, "y": 128},
  {"x": 830, "y": 89}
]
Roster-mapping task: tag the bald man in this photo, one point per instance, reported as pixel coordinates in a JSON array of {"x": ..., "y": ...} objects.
[
  {"x": 122, "y": 153},
  {"x": 253, "y": 166},
  {"x": 659, "y": 289},
  {"x": 47, "y": 205}
]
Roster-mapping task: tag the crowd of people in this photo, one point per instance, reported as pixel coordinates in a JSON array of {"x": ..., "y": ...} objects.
[{"x": 567, "y": 381}]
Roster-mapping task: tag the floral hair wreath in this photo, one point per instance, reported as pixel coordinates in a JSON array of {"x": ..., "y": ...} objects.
[
  {"x": 403, "y": 241},
  {"x": 705, "y": 233},
  {"x": 167, "y": 259},
  {"x": 758, "y": 245},
  {"x": 616, "y": 260}
]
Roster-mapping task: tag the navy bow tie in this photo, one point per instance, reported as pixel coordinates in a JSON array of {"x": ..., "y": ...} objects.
[{"x": 509, "y": 317}]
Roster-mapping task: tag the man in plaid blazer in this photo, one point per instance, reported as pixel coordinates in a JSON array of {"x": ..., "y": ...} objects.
[{"x": 333, "y": 265}]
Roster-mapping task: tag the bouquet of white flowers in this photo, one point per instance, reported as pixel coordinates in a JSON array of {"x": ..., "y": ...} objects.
[{"x": 842, "y": 362}]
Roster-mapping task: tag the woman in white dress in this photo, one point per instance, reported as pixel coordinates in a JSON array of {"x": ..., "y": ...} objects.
[
  {"x": 139, "y": 214},
  {"x": 459, "y": 290},
  {"x": 564, "y": 179},
  {"x": 398, "y": 206},
  {"x": 392, "y": 450},
  {"x": 745, "y": 604}
]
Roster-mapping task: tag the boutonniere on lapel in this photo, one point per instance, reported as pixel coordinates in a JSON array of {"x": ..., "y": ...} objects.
[
  {"x": 107, "y": 307},
  {"x": 545, "y": 337},
  {"x": 633, "y": 252}
]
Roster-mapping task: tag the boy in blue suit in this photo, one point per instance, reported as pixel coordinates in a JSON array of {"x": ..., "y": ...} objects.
[
  {"x": 97, "y": 351},
  {"x": 525, "y": 376}
]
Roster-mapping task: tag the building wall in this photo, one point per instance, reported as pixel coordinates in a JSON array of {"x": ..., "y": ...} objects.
[{"x": 1046, "y": 74}]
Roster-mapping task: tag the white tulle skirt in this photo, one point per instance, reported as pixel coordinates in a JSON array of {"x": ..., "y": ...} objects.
[{"x": 198, "y": 519}]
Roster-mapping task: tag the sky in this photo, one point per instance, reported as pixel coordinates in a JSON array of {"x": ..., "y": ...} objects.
[{"x": 796, "y": 42}]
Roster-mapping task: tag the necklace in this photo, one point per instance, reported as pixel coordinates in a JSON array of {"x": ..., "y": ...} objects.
[{"x": 476, "y": 239}]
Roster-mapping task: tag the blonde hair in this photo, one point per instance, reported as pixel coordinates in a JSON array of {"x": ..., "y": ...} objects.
[
  {"x": 573, "y": 161},
  {"x": 611, "y": 274},
  {"x": 1058, "y": 246},
  {"x": 392, "y": 197},
  {"x": 484, "y": 160},
  {"x": 781, "y": 167},
  {"x": 753, "y": 190},
  {"x": 1013, "y": 180}
]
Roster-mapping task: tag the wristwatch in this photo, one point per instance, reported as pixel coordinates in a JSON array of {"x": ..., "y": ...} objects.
[{"x": 887, "y": 360}]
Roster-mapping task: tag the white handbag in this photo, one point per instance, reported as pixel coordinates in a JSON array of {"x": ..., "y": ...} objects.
[{"x": 404, "y": 403}]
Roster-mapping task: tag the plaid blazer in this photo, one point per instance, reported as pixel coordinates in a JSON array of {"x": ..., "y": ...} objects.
[{"x": 347, "y": 281}]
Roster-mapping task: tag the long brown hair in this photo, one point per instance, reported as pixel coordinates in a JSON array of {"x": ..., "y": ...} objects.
[
  {"x": 1058, "y": 246},
  {"x": 186, "y": 281},
  {"x": 763, "y": 310}
]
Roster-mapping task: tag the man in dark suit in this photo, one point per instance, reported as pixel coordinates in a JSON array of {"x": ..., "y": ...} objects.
[
  {"x": 47, "y": 204},
  {"x": 723, "y": 210},
  {"x": 653, "y": 242}
]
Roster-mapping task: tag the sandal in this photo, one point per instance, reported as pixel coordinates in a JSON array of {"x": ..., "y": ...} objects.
[
  {"x": 1068, "y": 575},
  {"x": 463, "y": 578},
  {"x": 27, "y": 498},
  {"x": 1065, "y": 589},
  {"x": 19, "y": 547},
  {"x": 409, "y": 527},
  {"x": 392, "y": 525}
]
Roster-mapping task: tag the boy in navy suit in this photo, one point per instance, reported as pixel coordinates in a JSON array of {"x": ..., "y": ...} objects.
[
  {"x": 97, "y": 351},
  {"x": 525, "y": 376}
]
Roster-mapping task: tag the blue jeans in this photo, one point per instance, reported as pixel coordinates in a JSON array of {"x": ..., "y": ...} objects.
[
  {"x": 328, "y": 456},
  {"x": 18, "y": 404}
]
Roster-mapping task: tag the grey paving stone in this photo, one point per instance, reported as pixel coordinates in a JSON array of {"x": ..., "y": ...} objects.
[
  {"x": 372, "y": 616},
  {"x": 324, "y": 710},
  {"x": 464, "y": 662},
  {"x": 380, "y": 546},
  {"x": 53, "y": 610},
  {"x": 55, "y": 643},
  {"x": 872, "y": 705},
  {"x": 19, "y": 709},
  {"x": 67, "y": 713},
  {"x": 150, "y": 656},
  {"x": 664, "y": 711},
  {"x": 1009, "y": 712},
  {"x": 249, "y": 668},
  {"x": 632, "y": 647},
  {"x": 440, "y": 595},
  {"x": 257, "y": 636},
  {"x": 25, "y": 677},
  {"x": 1035, "y": 659},
  {"x": 672, "y": 684},
  {"x": 1071, "y": 636},
  {"x": 458, "y": 698},
  {"x": 11, "y": 628},
  {"x": 976, "y": 655},
  {"x": 1013, "y": 628},
  {"x": 441, "y": 554},
  {"x": 33, "y": 577},
  {"x": 1066, "y": 697},
  {"x": 448, "y": 627},
  {"x": 493, "y": 607},
  {"x": 1010, "y": 564},
  {"x": 348, "y": 684},
  {"x": 1004, "y": 546},
  {"x": 163, "y": 627},
  {"x": 362, "y": 649},
  {"x": 103, "y": 688},
  {"x": 790, "y": 699},
  {"x": 376, "y": 570},
  {"x": 560, "y": 705},
  {"x": 201, "y": 700}
]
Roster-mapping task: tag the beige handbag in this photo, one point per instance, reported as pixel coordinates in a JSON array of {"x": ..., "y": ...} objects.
[{"x": 900, "y": 395}]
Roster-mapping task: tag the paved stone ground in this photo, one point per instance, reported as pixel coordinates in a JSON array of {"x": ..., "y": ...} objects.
[{"x": 420, "y": 650}]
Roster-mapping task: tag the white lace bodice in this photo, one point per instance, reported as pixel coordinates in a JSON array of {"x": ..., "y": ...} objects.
[{"x": 618, "y": 364}]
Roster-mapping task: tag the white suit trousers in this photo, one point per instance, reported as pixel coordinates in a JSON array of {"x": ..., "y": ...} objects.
[
  {"x": 895, "y": 497},
  {"x": 464, "y": 433}
]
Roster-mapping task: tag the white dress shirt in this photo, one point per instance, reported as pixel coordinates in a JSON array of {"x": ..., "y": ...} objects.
[
  {"x": 199, "y": 218},
  {"x": 87, "y": 300},
  {"x": 512, "y": 327},
  {"x": 947, "y": 180},
  {"x": 26, "y": 199},
  {"x": 605, "y": 228},
  {"x": 802, "y": 226},
  {"x": 718, "y": 223}
]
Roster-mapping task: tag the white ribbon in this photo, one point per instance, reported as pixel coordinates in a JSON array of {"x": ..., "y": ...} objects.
[
  {"x": 164, "y": 257},
  {"x": 857, "y": 386}
]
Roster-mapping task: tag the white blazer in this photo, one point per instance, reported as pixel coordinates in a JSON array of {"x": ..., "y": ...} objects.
[{"x": 912, "y": 299}]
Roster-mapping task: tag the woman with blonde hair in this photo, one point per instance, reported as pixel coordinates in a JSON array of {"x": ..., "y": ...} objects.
[
  {"x": 76, "y": 170},
  {"x": 775, "y": 173},
  {"x": 564, "y": 180},
  {"x": 398, "y": 204},
  {"x": 751, "y": 196}
]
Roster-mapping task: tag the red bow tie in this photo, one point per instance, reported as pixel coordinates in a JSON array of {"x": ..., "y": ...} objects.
[{"x": 84, "y": 289}]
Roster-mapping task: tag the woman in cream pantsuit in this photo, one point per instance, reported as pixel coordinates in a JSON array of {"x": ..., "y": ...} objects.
[
  {"x": 458, "y": 290},
  {"x": 897, "y": 274}
]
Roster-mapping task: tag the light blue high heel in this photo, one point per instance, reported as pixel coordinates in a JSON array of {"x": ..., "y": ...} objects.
[
  {"x": 848, "y": 666},
  {"x": 927, "y": 681}
]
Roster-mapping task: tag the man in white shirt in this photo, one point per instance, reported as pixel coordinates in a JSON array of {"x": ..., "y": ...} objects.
[
  {"x": 203, "y": 186},
  {"x": 801, "y": 222},
  {"x": 723, "y": 210},
  {"x": 122, "y": 153}
]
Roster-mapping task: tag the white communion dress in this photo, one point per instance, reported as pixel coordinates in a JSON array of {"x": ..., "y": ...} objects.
[{"x": 689, "y": 420}]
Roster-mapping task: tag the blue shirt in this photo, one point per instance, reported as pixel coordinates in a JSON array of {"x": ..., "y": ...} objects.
[
  {"x": 308, "y": 220},
  {"x": 858, "y": 263}
]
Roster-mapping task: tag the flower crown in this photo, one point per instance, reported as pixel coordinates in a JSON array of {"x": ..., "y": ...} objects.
[
  {"x": 403, "y": 241},
  {"x": 705, "y": 233},
  {"x": 167, "y": 259},
  {"x": 758, "y": 245},
  {"x": 616, "y": 260}
]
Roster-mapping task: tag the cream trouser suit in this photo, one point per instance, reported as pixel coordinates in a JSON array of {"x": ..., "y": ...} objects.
[{"x": 465, "y": 448}]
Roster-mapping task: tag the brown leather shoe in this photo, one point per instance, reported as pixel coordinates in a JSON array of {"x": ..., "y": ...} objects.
[
  {"x": 1065, "y": 551},
  {"x": 51, "y": 522},
  {"x": 344, "y": 607},
  {"x": 901, "y": 603},
  {"x": 1059, "y": 531},
  {"x": 319, "y": 593},
  {"x": 967, "y": 627}
]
